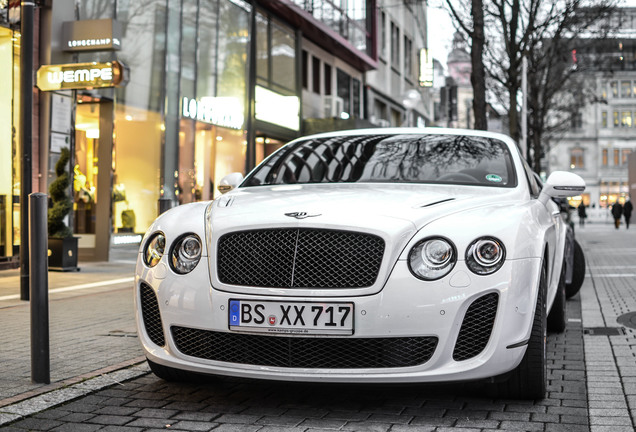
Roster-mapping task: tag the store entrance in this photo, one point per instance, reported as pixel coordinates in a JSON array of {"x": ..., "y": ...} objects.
[
  {"x": 92, "y": 176},
  {"x": 265, "y": 146}
]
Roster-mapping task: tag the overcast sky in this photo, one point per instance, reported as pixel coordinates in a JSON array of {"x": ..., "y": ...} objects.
[{"x": 440, "y": 33}]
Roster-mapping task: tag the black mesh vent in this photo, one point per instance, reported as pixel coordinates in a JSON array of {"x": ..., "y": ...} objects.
[
  {"x": 151, "y": 315},
  {"x": 477, "y": 327},
  {"x": 299, "y": 258},
  {"x": 300, "y": 352}
]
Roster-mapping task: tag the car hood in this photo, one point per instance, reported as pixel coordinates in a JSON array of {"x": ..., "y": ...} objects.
[
  {"x": 355, "y": 206},
  {"x": 394, "y": 212}
]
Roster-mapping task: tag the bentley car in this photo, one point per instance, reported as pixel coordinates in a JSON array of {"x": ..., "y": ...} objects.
[{"x": 399, "y": 255}]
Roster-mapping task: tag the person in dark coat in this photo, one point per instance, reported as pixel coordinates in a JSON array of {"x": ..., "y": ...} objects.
[
  {"x": 617, "y": 212},
  {"x": 627, "y": 211},
  {"x": 582, "y": 213}
]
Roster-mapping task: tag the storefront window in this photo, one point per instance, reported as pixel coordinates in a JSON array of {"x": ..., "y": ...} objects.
[
  {"x": 9, "y": 138},
  {"x": 283, "y": 57},
  {"x": 136, "y": 168}
]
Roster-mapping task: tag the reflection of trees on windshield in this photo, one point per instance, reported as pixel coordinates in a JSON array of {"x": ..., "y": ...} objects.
[
  {"x": 404, "y": 158},
  {"x": 393, "y": 158}
]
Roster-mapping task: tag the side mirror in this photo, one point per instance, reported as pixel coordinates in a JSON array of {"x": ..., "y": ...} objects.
[
  {"x": 561, "y": 184},
  {"x": 229, "y": 182}
]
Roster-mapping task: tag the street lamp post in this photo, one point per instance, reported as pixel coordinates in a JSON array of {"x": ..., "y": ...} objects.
[{"x": 26, "y": 127}]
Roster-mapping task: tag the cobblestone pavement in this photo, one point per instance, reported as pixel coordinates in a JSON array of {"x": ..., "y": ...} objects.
[{"x": 592, "y": 387}]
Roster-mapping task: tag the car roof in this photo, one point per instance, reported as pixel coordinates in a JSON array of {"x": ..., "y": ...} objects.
[{"x": 414, "y": 131}]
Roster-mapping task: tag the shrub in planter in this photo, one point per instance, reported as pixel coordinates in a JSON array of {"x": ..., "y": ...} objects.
[{"x": 62, "y": 244}]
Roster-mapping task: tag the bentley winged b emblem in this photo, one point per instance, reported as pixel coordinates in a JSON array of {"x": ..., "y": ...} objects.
[{"x": 301, "y": 215}]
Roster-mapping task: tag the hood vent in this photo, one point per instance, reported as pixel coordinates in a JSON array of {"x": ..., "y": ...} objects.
[{"x": 431, "y": 204}]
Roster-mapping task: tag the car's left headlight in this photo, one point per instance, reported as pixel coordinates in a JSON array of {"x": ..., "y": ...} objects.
[
  {"x": 485, "y": 255},
  {"x": 432, "y": 258},
  {"x": 186, "y": 253}
]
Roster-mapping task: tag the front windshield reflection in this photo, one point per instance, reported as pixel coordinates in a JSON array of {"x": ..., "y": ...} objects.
[{"x": 406, "y": 158}]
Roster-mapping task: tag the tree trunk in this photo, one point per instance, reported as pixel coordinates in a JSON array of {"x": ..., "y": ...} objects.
[
  {"x": 513, "y": 114},
  {"x": 478, "y": 75}
]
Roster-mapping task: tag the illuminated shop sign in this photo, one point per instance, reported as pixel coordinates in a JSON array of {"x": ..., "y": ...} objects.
[
  {"x": 81, "y": 76},
  {"x": 426, "y": 68},
  {"x": 277, "y": 109},
  {"x": 91, "y": 35},
  {"x": 219, "y": 111}
]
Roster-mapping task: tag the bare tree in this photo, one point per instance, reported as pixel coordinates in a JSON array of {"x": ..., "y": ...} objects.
[
  {"x": 475, "y": 30},
  {"x": 542, "y": 31}
]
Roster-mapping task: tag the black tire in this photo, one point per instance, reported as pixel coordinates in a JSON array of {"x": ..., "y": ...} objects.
[
  {"x": 556, "y": 317},
  {"x": 529, "y": 380},
  {"x": 170, "y": 374},
  {"x": 578, "y": 272}
]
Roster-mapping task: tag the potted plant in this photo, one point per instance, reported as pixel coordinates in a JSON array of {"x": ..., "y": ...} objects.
[{"x": 62, "y": 244}]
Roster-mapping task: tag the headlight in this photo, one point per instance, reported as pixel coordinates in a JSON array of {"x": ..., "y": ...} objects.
[
  {"x": 154, "y": 249},
  {"x": 432, "y": 258},
  {"x": 186, "y": 254},
  {"x": 485, "y": 255}
]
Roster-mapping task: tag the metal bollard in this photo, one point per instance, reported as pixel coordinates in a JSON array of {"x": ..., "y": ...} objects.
[{"x": 39, "y": 288}]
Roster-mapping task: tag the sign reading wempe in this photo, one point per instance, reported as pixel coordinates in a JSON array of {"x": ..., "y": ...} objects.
[{"x": 81, "y": 76}]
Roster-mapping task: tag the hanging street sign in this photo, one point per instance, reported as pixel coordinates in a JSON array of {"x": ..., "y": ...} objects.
[{"x": 82, "y": 76}]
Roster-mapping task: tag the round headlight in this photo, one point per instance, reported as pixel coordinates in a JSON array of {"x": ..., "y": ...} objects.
[
  {"x": 432, "y": 258},
  {"x": 485, "y": 255},
  {"x": 155, "y": 249},
  {"x": 186, "y": 254}
]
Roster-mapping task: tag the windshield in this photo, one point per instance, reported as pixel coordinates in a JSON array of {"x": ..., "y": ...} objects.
[{"x": 408, "y": 158}]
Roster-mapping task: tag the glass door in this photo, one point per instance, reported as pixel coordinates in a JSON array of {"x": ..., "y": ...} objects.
[{"x": 85, "y": 170}]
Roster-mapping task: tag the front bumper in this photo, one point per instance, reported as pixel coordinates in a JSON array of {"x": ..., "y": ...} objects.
[{"x": 405, "y": 308}]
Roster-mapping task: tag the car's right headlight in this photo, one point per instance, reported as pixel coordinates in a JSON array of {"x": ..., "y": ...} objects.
[
  {"x": 485, "y": 255},
  {"x": 432, "y": 258},
  {"x": 154, "y": 250},
  {"x": 186, "y": 253}
]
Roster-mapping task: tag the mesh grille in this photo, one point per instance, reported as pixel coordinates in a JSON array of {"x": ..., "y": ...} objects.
[
  {"x": 299, "y": 352},
  {"x": 151, "y": 315},
  {"x": 476, "y": 328},
  {"x": 299, "y": 258}
]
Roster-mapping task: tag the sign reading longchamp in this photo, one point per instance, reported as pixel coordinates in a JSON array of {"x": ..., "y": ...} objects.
[{"x": 81, "y": 76}]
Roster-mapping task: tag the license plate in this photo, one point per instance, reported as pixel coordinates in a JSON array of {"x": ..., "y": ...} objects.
[{"x": 291, "y": 317}]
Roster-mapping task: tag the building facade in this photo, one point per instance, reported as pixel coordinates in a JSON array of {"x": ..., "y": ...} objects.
[
  {"x": 204, "y": 88},
  {"x": 601, "y": 134}
]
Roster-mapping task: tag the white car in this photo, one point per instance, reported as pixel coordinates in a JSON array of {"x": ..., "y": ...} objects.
[{"x": 378, "y": 255}]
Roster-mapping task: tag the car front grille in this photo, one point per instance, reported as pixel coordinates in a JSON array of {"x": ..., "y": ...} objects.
[
  {"x": 476, "y": 327},
  {"x": 150, "y": 314},
  {"x": 304, "y": 352},
  {"x": 299, "y": 258}
]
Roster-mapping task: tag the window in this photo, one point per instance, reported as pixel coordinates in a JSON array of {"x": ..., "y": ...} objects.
[
  {"x": 626, "y": 119},
  {"x": 626, "y": 89},
  {"x": 408, "y": 57},
  {"x": 625, "y": 155},
  {"x": 383, "y": 35},
  {"x": 604, "y": 119},
  {"x": 344, "y": 90},
  {"x": 395, "y": 45},
  {"x": 305, "y": 70},
  {"x": 616, "y": 119},
  {"x": 605, "y": 157},
  {"x": 356, "y": 98},
  {"x": 614, "y": 88},
  {"x": 315, "y": 69},
  {"x": 604, "y": 91},
  {"x": 617, "y": 160},
  {"x": 576, "y": 158},
  {"x": 327, "y": 79},
  {"x": 577, "y": 120}
]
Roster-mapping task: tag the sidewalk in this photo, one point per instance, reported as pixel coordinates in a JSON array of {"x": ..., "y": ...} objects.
[
  {"x": 608, "y": 296},
  {"x": 91, "y": 326}
]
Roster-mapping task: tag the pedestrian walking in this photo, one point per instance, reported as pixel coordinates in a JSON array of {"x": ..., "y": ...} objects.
[
  {"x": 617, "y": 212},
  {"x": 627, "y": 211},
  {"x": 582, "y": 214}
]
